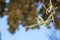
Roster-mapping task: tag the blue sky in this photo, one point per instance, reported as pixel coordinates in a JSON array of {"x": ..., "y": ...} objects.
[
  {"x": 42, "y": 34},
  {"x": 21, "y": 34},
  {"x": 37, "y": 34}
]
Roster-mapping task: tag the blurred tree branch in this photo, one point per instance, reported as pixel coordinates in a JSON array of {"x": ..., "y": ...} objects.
[{"x": 25, "y": 11}]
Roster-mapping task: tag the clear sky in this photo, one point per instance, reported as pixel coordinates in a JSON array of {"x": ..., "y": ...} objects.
[
  {"x": 37, "y": 34},
  {"x": 42, "y": 34}
]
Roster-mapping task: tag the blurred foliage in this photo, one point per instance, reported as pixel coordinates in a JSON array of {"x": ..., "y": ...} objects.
[
  {"x": 2, "y": 6},
  {"x": 25, "y": 11},
  {"x": 56, "y": 3}
]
